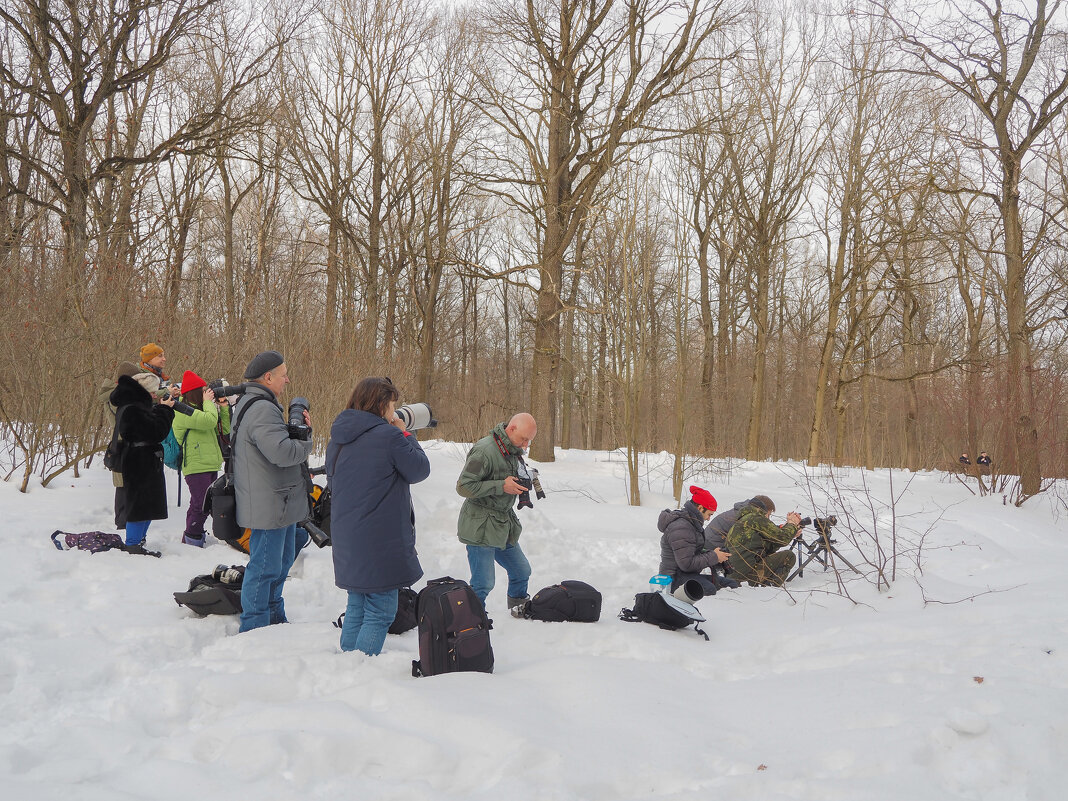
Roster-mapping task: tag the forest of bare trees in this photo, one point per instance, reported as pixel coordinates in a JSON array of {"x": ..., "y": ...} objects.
[{"x": 834, "y": 232}]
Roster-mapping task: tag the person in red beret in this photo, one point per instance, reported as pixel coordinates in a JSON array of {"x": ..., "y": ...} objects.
[{"x": 684, "y": 554}]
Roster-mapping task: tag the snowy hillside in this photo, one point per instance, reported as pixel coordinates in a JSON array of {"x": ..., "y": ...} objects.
[{"x": 111, "y": 691}]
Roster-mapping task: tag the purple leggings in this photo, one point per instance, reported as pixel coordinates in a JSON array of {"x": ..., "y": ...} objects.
[{"x": 198, "y": 484}]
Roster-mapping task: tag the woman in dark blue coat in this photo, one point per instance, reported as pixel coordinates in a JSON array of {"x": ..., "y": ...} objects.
[{"x": 371, "y": 462}]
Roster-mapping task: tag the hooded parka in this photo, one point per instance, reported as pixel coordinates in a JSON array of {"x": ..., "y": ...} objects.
[
  {"x": 370, "y": 467},
  {"x": 142, "y": 425}
]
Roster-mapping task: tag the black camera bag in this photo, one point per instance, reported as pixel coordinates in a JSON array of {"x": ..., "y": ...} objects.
[
  {"x": 651, "y": 607},
  {"x": 568, "y": 601},
  {"x": 208, "y": 595},
  {"x": 220, "y": 501},
  {"x": 115, "y": 453},
  {"x": 453, "y": 629},
  {"x": 405, "y": 620}
]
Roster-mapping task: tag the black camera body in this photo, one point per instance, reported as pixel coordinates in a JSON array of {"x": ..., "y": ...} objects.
[
  {"x": 823, "y": 524},
  {"x": 524, "y": 497},
  {"x": 296, "y": 426}
]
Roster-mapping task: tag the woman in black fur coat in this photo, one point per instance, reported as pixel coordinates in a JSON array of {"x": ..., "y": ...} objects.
[{"x": 142, "y": 425}]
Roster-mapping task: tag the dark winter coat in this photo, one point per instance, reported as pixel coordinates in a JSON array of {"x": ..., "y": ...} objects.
[
  {"x": 142, "y": 425},
  {"x": 683, "y": 548},
  {"x": 718, "y": 526},
  {"x": 370, "y": 467}
]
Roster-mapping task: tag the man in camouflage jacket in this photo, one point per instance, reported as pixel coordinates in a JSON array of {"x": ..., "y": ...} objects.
[
  {"x": 754, "y": 543},
  {"x": 488, "y": 524}
]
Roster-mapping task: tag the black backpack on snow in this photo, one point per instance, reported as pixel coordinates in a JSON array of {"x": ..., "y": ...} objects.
[
  {"x": 405, "y": 619},
  {"x": 453, "y": 629},
  {"x": 209, "y": 595},
  {"x": 663, "y": 611},
  {"x": 568, "y": 601}
]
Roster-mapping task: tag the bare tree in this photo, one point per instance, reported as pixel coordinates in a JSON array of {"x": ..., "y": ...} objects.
[
  {"x": 1009, "y": 62},
  {"x": 576, "y": 84}
]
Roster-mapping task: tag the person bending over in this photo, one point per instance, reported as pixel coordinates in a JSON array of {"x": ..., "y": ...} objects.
[{"x": 754, "y": 543}]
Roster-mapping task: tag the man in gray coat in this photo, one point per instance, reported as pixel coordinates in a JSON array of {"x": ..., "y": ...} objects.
[{"x": 271, "y": 489}]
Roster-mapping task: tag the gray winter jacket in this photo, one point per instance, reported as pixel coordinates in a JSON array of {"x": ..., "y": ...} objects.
[
  {"x": 271, "y": 489},
  {"x": 683, "y": 548},
  {"x": 718, "y": 526}
]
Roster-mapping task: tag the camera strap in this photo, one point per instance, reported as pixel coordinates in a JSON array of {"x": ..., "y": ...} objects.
[{"x": 233, "y": 431}]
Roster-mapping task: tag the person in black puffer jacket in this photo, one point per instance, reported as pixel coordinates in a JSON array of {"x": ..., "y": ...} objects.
[
  {"x": 142, "y": 425},
  {"x": 683, "y": 551}
]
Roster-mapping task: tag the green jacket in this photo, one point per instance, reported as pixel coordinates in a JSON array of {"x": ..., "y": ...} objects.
[
  {"x": 198, "y": 434},
  {"x": 753, "y": 537},
  {"x": 487, "y": 516}
]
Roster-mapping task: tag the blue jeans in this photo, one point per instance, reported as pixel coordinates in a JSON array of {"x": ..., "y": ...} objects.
[
  {"x": 367, "y": 620},
  {"x": 511, "y": 558},
  {"x": 271, "y": 552},
  {"x": 136, "y": 531}
]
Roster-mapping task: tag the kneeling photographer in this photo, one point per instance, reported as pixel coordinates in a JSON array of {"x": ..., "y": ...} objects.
[
  {"x": 684, "y": 553},
  {"x": 271, "y": 488},
  {"x": 754, "y": 543}
]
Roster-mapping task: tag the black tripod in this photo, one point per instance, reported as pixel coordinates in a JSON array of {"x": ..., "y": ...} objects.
[{"x": 819, "y": 549}]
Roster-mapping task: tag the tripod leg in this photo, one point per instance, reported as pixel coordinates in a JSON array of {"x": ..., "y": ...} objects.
[
  {"x": 847, "y": 563},
  {"x": 800, "y": 571}
]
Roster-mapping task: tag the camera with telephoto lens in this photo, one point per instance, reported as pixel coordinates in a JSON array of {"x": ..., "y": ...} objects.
[
  {"x": 298, "y": 429},
  {"x": 227, "y": 574},
  {"x": 221, "y": 388},
  {"x": 182, "y": 407},
  {"x": 416, "y": 416},
  {"x": 823, "y": 524}
]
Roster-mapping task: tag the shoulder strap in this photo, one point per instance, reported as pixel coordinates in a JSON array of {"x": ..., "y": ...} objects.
[
  {"x": 233, "y": 431},
  {"x": 115, "y": 435}
]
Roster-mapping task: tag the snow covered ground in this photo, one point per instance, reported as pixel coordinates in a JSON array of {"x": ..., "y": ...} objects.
[{"x": 111, "y": 691}]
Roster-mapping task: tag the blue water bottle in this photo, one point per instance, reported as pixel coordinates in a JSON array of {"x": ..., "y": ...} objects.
[{"x": 660, "y": 583}]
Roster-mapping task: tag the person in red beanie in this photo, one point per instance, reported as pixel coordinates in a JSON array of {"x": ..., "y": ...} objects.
[
  {"x": 198, "y": 434},
  {"x": 684, "y": 555}
]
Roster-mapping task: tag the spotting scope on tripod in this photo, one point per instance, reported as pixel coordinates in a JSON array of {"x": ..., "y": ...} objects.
[{"x": 820, "y": 548}]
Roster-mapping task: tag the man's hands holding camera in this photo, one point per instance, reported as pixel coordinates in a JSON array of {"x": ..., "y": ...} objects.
[{"x": 513, "y": 487}]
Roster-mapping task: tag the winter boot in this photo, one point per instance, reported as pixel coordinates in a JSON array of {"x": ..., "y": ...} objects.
[
  {"x": 516, "y": 606},
  {"x": 199, "y": 542}
]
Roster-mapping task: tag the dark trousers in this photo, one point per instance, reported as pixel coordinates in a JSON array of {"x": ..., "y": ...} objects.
[{"x": 195, "y": 515}]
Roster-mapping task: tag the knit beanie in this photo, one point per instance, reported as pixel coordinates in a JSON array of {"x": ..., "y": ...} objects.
[
  {"x": 191, "y": 381},
  {"x": 150, "y": 352},
  {"x": 127, "y": 368},
  {"x": 263, "y": 363},
  {"x": 703, "y": 497}
]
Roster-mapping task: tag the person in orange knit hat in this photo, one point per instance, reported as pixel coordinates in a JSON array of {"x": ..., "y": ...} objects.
[{"x": 684, "y": 553}]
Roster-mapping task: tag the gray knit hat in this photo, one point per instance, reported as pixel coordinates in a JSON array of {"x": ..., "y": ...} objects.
[{"x": 262, "y": 363}]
